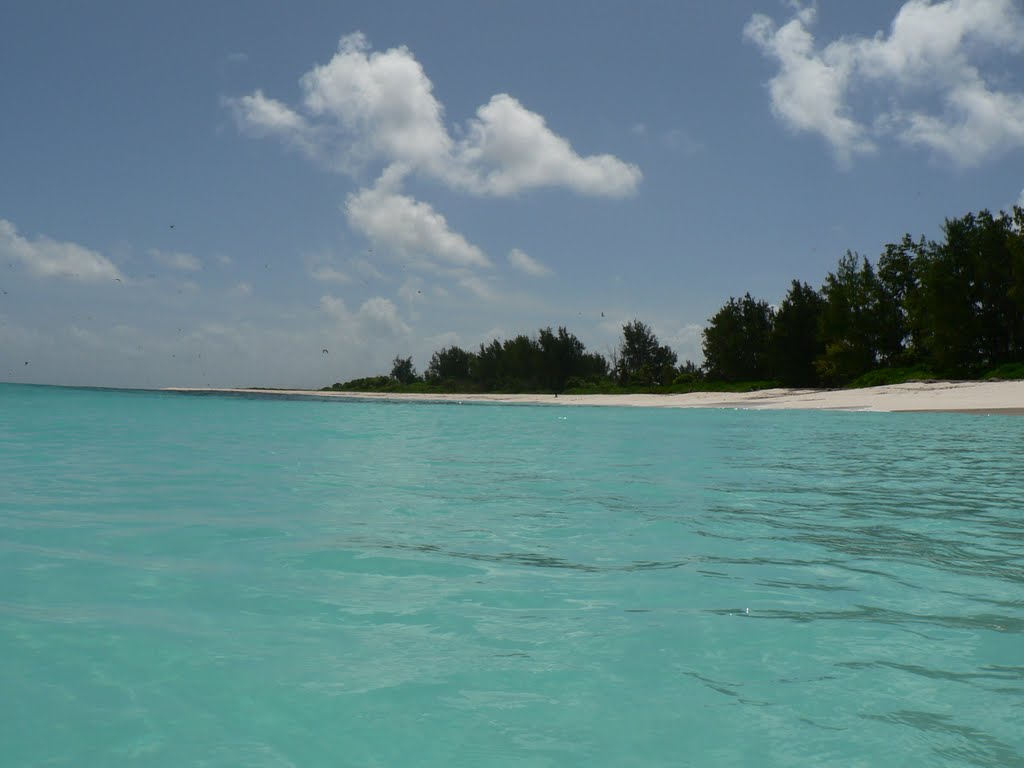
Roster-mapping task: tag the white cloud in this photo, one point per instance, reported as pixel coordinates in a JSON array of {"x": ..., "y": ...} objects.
[
  {"x": 808, "y": 93},
  {"x": 925, "y": 69},
  {"x": 334, "y": 308},
  {"x": 44, "y": 257},
  {"x": 241, "y": 289},
  {"x": 376, "y": 318},
  {"x": 978, "y": 123},
  {"x": 527, "y": 264},
  {"x": 362, "y": 106},
  {"x": 185, "y": 262},
  {"x": 411, "y": 289},
  {"x": 328, "y": 274},
  {"x": 382, "y": 103},
  {"x": 1020, "y": 200},
  {"x": 478, "y": 287},
  {"x": 366, "y": 269},
  {"x": 509, "y": 149},
  {"x": 260, "y": 116},
  {"x": 410, "y": 228},
  {"x": 687, "y": 341}
]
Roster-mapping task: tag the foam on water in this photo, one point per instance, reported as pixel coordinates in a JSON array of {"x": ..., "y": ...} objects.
[{"x": 229, "y": 581}]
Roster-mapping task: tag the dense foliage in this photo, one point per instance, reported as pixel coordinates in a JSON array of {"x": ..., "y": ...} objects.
[{"x": 953, "y": 309}]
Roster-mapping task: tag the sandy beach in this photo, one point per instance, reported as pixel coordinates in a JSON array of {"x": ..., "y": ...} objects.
[{"x": 982, "y": 397}]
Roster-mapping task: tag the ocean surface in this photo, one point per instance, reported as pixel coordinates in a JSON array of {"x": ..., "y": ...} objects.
[{"x": 231, "y": 581}]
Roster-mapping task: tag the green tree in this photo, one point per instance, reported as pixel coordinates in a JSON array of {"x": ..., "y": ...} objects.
[
  {"x": 795, "y": 342},
  {"x": 520, "y": 364},
  {"x": 449, "y": 364},
  {"x": 971, "y": 293},
  {"x": 860, "y": 323},
  {"x": 737, "y": 341},
  {"x": 642, "y": 360},
  {"x": 486, "y": 369},
  {"x": 403, "y": 371},
  {"x": 899, "y": 270}
]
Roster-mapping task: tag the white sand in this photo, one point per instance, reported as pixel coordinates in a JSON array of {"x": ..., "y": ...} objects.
[{"x": 967, "y": 396}]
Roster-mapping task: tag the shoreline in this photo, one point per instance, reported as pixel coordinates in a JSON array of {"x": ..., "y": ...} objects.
[{"x": 974, "y": 397}]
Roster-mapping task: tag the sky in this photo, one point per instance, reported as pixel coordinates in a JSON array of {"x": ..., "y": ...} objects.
[{"x": 292, "y": 194}]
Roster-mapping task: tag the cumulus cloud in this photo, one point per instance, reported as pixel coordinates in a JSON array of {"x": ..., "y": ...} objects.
[
  {"x": 508, "y": 149},
  {"x": 376, "y": 318},
  {"x": 411, "y": 228},
  {"x": 379, "y": 317},
  {"x": 925, "y": 70},
  {"x": 45, "y": 258},
  {"x": 365, "y": 105},
  {"x": 259, "y": 116},
  {"x": 185, "y": 262},
  {"x": 808, "y": 92},
  {"x": 526, "y": 264},
  {"x": 381, "y": 103}
]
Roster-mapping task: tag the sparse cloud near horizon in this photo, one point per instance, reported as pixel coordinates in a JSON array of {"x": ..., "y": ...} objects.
[
  {"x": 46, "y": 258},
  {"x": 377, "y": 318},
  {"x": 923, "y": 79},
  {"x": 325, "y": 273},
  {"x": 184, "y": 262}
]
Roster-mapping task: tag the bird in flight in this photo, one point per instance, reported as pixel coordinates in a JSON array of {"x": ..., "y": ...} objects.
[{"x": 325, "y": 352}]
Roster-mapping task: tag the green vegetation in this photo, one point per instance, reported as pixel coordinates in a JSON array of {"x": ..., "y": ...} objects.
[{"x": 952, "y": 309}]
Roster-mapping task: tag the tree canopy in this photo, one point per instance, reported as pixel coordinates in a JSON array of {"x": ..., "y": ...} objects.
[
  {"x": 641, "y": 359},
  {"x": 953, "y": 308}
]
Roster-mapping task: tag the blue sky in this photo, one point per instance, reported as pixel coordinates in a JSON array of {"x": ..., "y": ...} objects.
[{"x": 214, "y": 193}]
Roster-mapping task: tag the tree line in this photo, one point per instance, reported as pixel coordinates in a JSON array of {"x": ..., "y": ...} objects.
[{"x": 951, "y": 308}]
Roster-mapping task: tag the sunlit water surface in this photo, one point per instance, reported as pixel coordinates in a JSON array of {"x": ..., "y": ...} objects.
[{"x": 217, "y": 581}]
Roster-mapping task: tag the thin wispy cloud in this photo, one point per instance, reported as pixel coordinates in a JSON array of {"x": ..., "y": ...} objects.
[
  {"x": 329, "y": 274},
  {"x": 184, "y": 262},
  {"x": 526, "y": 264}
]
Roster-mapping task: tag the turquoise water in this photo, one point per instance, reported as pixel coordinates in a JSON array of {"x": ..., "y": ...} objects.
[{"x": 217, "y": 581}]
